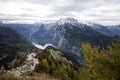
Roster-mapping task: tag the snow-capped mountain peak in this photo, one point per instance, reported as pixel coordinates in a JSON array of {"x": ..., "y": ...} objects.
[{"x": 67, "y": 20}]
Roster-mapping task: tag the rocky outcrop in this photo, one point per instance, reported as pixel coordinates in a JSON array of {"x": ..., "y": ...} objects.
[
  {"x": 28, "y": 65},
  {"x": 57, "y": 55}
]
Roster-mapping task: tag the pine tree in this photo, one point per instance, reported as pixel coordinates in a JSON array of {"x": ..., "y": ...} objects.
[{"x": 102, "y": 65}]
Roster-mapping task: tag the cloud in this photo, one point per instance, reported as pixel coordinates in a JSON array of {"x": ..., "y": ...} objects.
[{"x": 101, "y": 11}]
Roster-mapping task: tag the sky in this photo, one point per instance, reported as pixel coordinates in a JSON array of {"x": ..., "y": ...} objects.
[{"x": 105, "y": 12}]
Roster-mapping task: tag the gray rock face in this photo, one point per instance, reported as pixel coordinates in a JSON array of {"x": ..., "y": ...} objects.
[
  {"x": 68, "y": 34},
  {"x": 29, "y": 65}
]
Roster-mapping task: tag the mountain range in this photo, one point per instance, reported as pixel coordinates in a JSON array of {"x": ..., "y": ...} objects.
[{"x": 66, "y": 34}]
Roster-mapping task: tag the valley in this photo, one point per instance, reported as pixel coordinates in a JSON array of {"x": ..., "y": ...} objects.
[{"x": 65, "y": 49}]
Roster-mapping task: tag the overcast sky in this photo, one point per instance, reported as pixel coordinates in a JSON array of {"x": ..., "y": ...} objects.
[{"x": 106, "y": 12}]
